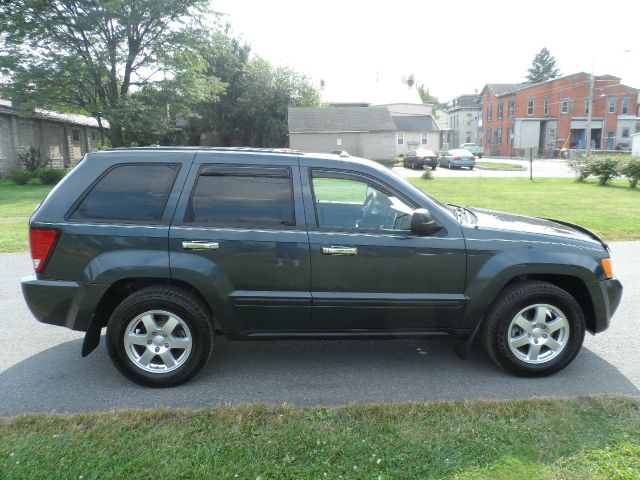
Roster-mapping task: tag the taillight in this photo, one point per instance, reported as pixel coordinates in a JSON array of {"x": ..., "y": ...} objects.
[
  {"x": 456, "y": 158},
  {"x": 42, "y": 241}
]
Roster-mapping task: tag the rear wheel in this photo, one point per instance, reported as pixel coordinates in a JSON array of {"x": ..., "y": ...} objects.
[
  {"x": 160, "y": 336},
  {"x": 534, "y": 329}
]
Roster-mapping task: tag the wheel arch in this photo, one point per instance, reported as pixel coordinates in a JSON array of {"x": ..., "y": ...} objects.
[{"x": 120, "y": 290}]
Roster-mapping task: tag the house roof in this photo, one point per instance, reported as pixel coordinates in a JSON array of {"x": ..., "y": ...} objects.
[
  {"x": 505, "y": 88},
  {"x": 473, "y": 101},
  {"x": 73, "y": 118},
  {"x": 340, "y": 119},
  {"x": 415, "y": 123}
]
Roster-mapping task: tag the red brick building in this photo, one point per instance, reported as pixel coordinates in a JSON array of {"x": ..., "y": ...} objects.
[{"x": 552, "y": 115}]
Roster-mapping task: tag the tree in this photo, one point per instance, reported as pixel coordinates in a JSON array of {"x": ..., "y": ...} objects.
[
  {"x": 423, "y": 91},
  {"x": 104, "y": 58},
  {"x": 543, "y": 67}
]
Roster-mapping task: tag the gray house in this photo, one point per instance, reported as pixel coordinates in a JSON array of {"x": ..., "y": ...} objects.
[
  {"x": 63, "y": 138},
  {"x": 465, "y": 120},
  {"x": 363, "y": 131}
]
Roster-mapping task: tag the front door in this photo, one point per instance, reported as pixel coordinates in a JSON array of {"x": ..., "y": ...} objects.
[
  {"x": 367, "y": 270},
  {"x": 239, "y": 235}
]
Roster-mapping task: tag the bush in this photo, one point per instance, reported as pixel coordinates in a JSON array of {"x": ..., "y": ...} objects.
[
  {"x": 51, "y": 176},
  {"x": 31, "y": 159},
  {"x": 427, "y": 174},
  {"x": 19, "y": 176},
  {"x": 581, "y": 167},
  {"x": 630, "y": 168},
  {"x": 604, "y": 167}
]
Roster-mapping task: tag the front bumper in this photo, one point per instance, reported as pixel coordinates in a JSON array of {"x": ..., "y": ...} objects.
[
  {"x": 606, "y": 295},
  {"x": 61, "y": 303}
]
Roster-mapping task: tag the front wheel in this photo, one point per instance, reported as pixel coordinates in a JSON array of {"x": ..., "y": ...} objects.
[
  {"x": 534, "y": 329},
  {"x": 160, "y": 336}
]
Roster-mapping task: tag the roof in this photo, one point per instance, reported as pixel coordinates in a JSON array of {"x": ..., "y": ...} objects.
[
  {"x": 73, "y": 118},
  {"x": 340, "y": 119},
  {"x": 473, "y": 101},
  {"x": 415, "y": 123},
  {"x": 505, "y": 88}
]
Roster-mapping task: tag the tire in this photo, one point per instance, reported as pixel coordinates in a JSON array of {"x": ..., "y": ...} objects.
[
  {"x": 539, "y": 307},
  {"x": 404, "y": 163},
  {"x": 471, "y": 168},
  {"x": 133, "y": 347},
  {"x": 413, "y": 165},
  {"x": 480, "y": 156}
]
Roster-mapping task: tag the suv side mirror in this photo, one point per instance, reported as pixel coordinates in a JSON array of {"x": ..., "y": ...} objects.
[{"x": 422, "y": 223}]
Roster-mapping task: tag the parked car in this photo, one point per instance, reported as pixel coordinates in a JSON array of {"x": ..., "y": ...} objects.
[
  {"x": 167, "y": 246},
  {"x": 458, "y": 157},
  {"x": 340, "y": 153},
  {"x": 473, "y": 148},
  {"x": 421, "y": 158}
]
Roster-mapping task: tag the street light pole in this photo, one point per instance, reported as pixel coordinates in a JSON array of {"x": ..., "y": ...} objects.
[{"x": 590, "y": 113}]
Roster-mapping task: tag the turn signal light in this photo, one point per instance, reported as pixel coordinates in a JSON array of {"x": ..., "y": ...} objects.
[
  {"x": 42, "y": 241},
  {"x": 606, "y": 265}
]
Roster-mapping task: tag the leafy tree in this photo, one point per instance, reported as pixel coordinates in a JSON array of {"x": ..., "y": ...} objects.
[
  {"x": 423, "y": 91},
  {"x": 105, "y": 58},
  {"x": 543, "y": 67}
]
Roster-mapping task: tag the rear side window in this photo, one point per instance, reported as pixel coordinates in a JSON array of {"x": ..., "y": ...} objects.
[
  {"x": 129, "y": 193},
  {"x": 242, "y": 197}
]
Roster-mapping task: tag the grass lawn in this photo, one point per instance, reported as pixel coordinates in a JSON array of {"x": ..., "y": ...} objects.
[
  {"x": 499, "y": 166},
  {"x": 612, "y": 211},
  {"x": 17, "y": 203},
  {"x": 587, "y": 438}
]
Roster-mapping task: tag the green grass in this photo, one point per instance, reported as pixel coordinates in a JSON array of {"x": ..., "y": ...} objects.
[
  {"x": 17, "y": 203},
  {"x": 587, "y": 438},
  {"x": 612, "y": 211},
  {"x": 499, "y": 166}
]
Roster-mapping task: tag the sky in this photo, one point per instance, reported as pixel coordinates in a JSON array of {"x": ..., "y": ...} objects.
[{"x": 452, "y": 46}]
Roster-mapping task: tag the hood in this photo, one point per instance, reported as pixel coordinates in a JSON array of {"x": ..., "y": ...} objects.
[{"x": 491, "y": 219}]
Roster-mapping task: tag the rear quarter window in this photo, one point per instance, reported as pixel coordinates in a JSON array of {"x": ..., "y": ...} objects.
[{"x": 129, "y": 193}]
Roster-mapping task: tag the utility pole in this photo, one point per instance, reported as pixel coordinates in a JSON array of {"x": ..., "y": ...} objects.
[{"x": 590, "y": 113}]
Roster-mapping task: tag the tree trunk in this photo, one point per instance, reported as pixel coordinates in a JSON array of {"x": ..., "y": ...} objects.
[{"x": 115, "y": 134}]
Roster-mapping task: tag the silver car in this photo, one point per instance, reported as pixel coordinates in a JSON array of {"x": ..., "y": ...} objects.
[{"x": 458, "y": 157}]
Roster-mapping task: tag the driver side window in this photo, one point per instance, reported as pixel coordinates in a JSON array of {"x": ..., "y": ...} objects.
[{"x": 353, "y": 204}]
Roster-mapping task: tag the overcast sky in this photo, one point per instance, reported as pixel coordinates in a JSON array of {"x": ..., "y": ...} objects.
[{"x": 453, "y": 46}]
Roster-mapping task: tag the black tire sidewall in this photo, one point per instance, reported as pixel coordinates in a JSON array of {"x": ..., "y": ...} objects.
[
  {"x": 138, "y": 303},
  {"x": 575, "y": 319}
]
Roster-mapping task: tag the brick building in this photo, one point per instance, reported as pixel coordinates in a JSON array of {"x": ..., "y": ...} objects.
[
  {"x": 63, "y": 138},
  {"x": 552, "y": 115}
]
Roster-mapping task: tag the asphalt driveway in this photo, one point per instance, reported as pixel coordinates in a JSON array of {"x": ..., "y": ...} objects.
[{"x": 41, "y": 369}]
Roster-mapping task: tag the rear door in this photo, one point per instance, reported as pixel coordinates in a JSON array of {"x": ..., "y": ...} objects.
[{"x": 239, "y": 234}]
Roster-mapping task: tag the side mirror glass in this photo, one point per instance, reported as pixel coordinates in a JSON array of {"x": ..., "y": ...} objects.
[{"x": 422, "y": 223}]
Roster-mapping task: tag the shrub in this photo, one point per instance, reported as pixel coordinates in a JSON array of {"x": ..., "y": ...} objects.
[
  {"x": 19, "y": 176},
  {"x": 581, "y": 167},
  {"x": 427, "y": 174},
  {"x": 630, "y": 168},
  {"x": 31, "y": 159},
  {"x": 604, "y": 167},
  {"x": 51, "y": 176}
]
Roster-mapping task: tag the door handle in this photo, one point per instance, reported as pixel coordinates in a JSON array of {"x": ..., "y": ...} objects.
[
  {"x": 340, "y": 250},
  {"x": 200, "y": 245}
]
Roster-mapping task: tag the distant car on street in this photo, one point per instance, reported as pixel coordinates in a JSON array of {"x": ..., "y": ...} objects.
[
  {"x": 473, "y": 148},
  {"x": 420, "y": 158},
  {"x": 458, "y": 157},
  {"x": 340, "y": 153}
]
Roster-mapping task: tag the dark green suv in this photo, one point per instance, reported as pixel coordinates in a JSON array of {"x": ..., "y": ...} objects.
[{"x": 166, "y": 247}]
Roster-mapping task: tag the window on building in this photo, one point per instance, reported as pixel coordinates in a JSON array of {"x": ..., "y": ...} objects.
[
  {"x": 129, "y": 193},
  {"x": 75, "y": 134},
  {"x": 586, "y": 105},
  {"x": 612, "y": 105},
  {"x": 498, "y": 136},
  {"x": 512, "y": 108},
  {"x": 564, "y": 105},
  {"x": 94, "y": 136},
  {"x": 551, "y": 134},
  {"x": 469, "y": 119},
  {"x": 626, "y": 102},
  {"x": 500, "y": 111},
  {"x": 488, "y": 136},
  {"x": 489, "y": 113},
  {"x": 546, "y": 106},
  {"x": 530, "y": 106},
  {"x": 242, "y": 196},
  {"x": 400, "y": 138},
  {"x": 625, "y": 133},
  {"x": 338, "y": 142},
  {"x": 425, "y": 139},
  {"x": 509, "y": 135}
]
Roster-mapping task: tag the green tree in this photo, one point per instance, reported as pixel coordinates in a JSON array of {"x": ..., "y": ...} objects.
[
  {"x": 543, "y": 67},
  {"x": 105, "y": 58},
  {"x": 423, "y": 91}
]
